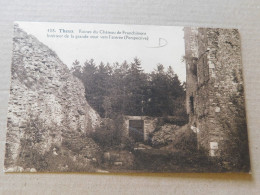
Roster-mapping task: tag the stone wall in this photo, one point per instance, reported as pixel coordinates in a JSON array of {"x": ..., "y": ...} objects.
[
  {"x": 150, "y": 124},
  {"x": 214, "y": 82},
  {"x": 191, "y": 54},
  {"x": 45, "y": 95}
]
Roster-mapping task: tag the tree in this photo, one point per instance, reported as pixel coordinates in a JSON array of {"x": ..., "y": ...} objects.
[
  {"x": 125, "y": 89},
  {"x": 136, "y": 82},
  {"x": 107, "y": 107},
  {"x": 102, "y": 85},
  {"x": 76, "y": 69},
  {"x": 89, "y": 81},
  {"x": 167, "y": 93}
]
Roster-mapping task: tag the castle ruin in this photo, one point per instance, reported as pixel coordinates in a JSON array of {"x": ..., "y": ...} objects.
[{"x": 214, "y": 88}]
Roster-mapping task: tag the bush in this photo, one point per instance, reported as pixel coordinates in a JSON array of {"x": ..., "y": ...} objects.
[
  {"x": 67, "y": 160},
  {"x": 177, "y": 120},
  {"x": 80, "y": 144},
  {"x": 109, "y": 133},
  {"x": 30, "y": 157},
  {"x": 76, "y": 151},
  {"x": 128, "y": 143},
  {"x": 185, "y": 140}
]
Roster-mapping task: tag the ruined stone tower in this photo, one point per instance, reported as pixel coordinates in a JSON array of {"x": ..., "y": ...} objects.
[{"x": 214, "y": 88}]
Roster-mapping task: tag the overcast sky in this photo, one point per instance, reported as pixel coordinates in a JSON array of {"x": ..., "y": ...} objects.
[{"x": 165, "y": 44}]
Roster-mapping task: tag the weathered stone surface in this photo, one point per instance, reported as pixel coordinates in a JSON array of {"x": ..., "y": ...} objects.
[
  {"x": 15, "y": 169},
  {"x": 33, "y": 170},
  {"x": 215, "y": 55},
  {"x": 165, "y": 135},
  {"x": 45, "y": 95}
]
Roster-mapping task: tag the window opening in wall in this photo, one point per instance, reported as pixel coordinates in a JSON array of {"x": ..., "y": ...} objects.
[
  {"x": 192, "y": 104},
  {"x": 194, "y": 66}
]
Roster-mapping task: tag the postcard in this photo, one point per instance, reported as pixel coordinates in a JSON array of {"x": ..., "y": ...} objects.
[{"x": 110, "y": 98}]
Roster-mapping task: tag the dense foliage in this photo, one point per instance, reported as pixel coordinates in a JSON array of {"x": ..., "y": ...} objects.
[{"x": 126, "y": 89}]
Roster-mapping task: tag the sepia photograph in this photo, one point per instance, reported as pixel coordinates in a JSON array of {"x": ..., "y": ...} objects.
[{"x": 114, "y": 98}]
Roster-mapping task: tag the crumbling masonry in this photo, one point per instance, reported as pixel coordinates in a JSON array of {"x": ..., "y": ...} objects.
[
  {"x": 43, "y": 91},
  {"x": 213, "y": 83}
]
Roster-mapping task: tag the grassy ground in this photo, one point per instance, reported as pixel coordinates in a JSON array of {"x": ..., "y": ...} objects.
[
  {"x": 156, "y": 160},
  {"x": 181, "y": 155}
]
